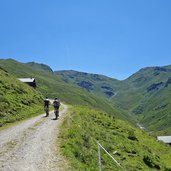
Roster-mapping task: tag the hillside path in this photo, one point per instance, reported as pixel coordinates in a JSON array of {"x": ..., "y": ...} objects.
[{"x": 32, "y": 145}]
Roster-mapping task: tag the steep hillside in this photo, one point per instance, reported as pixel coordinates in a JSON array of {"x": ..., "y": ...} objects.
[
  {"x": 146, "y": 94},
  {"x": 43, "y": 74},
  {"x": 17, "y": 100},
  {"x": 132, "y": 148},
  {"x": 51, "y": 85},
  {"x": 97, "y": 84}
]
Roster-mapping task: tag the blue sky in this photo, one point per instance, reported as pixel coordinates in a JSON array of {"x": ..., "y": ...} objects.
[{"x": 110, "y": 37}]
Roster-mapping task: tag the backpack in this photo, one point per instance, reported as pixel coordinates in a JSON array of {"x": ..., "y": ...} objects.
[
  {"x": 56, "y": 103},
  {"x": 46, "y": 102}
]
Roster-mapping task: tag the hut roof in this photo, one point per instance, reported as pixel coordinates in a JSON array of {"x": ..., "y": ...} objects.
[
  {"x": 165, "y": 139},
  {"x": 29, "y": 81}
]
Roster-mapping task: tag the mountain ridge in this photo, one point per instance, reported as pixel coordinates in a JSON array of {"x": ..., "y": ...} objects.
[
  {"x": 145, "y": 95},
  {"x": 50, "y": 85},
  {"x": 37, "y": 63}
]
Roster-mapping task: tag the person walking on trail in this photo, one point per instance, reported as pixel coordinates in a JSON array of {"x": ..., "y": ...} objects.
[
  {"x": 46, "y": 106},
  {"x": 56, "y": 104}
]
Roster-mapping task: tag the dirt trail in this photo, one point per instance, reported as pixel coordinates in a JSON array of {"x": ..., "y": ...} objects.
[{"x": 31, "y": 145}]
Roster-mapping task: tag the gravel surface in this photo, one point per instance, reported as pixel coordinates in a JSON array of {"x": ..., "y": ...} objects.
[{"x": 32, "y": 145}]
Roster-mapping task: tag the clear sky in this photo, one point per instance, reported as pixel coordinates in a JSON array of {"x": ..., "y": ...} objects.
[{"x": 110, "y": 37}]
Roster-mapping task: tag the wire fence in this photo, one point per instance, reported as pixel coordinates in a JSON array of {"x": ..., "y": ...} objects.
[
  {"x": 99, "y": 157},
  {"x": 99, "y": 149}
]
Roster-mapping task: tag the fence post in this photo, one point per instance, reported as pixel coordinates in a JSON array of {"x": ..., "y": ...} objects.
[
  {"x": 69, "y": 120},
  {"x": 100, "y": 146},
  {"x": 100, "y": 163}
]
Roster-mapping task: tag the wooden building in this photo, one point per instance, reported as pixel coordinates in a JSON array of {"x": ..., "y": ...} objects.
[
  {"x": 30, "y": 81},
  {"x": 165, "y": 139}
]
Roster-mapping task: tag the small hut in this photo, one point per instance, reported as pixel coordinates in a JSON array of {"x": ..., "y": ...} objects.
[
  {"x": 165, "y": 139},
  {"x": 30, "y": 81}
]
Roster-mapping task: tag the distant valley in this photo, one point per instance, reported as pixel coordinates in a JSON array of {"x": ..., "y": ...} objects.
[
  {"x": 101, "y": 109},
  {"x": 144, "y": 97}
]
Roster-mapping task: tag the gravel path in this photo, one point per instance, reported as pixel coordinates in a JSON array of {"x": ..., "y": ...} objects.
[{"x": 32, "y": 145}]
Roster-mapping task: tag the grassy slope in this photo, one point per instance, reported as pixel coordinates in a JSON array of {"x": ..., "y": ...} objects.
[
  {"x": 131, "y": 95},
  {"x": 17, "y": 100},
  {"x": 134, "y": 89},
  {"x": 52, "y": 86},
  {"x": 136, "y": 150},
  {"x": 97, "y": 84},
  {"x": 156, "y": 112},
  {"x": 151, "y": 103},
  {"x": 136, "y": 95},
  {"x": 44, "y": 77}
]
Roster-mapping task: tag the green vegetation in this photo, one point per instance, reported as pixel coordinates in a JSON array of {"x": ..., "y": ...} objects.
[
  {"x": 131, "y": 147},
  {"x": 51, "y": 85},
  {"x": 144, "y": 97},
  {"x": 17, "y": 100},
  {"x": 99, "y": 102},
  {"x": 147, "y": 98},
  {"x": 97, "y": 84}
]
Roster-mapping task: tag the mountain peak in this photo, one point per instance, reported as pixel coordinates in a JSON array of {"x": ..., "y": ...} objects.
[{"x": 40, "y": 66}]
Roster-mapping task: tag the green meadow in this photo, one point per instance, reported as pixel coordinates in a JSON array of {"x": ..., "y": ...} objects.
[
  {"x": 17, "y": 100},
  {"x": 131, "y": 147}
]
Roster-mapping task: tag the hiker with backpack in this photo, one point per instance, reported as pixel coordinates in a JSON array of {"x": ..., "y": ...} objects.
[
  {"x": 56, "y": 104},
  {"x": 46, "y": 106}
]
